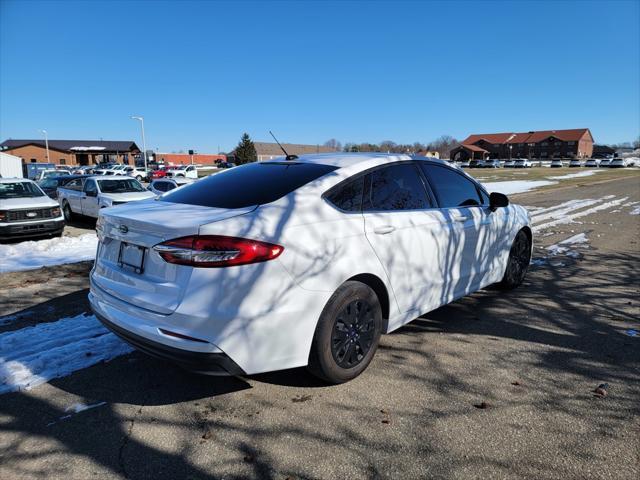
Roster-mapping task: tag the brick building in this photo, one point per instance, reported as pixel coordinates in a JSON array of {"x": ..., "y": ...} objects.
[
  {"x": 543, "y": 144},
  {"x": 269, "y": 151},
  {"x": 72, "y": 152}
]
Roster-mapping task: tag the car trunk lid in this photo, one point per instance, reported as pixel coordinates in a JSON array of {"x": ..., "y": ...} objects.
[{"x": 128, "y": 268}]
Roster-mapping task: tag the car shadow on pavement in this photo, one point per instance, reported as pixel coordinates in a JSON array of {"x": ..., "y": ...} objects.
[{"x": 562, "y": 318}]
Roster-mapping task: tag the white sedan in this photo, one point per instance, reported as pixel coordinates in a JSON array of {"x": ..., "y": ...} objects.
[{"x": 281, "y": 264}]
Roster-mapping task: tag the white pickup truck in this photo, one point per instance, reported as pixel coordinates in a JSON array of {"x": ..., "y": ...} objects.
[
  {"x": 86, "y": 196},
  {"x": 186, "y": 171},
  {"x": 25, "y": 210}
]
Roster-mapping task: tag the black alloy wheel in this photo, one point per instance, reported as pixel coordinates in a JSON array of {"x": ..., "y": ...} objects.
[
  {"x": 518, "y": 263},
  {"x": 353, "y": 334}
]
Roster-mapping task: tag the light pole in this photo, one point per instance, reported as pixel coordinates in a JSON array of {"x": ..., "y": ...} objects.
[
  {"x": 144, "y": 145},
  {"x": 46, "y": 144}
]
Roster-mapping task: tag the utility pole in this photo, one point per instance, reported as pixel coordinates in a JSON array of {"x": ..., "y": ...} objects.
[
  {"x": 144, "y": 145},
  {"x": 46, "y": 144}
]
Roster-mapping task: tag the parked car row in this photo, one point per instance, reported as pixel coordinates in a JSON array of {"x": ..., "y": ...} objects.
[
  {"x": 617, "y": 162},
  {"x": 30, "y": 209},
  {"x": 495, "y": 163}
]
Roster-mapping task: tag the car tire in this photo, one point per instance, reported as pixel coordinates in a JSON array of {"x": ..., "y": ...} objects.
[
  {"x": 347, "y": 334},
  {"x": 66, "y": 210},
  {"x": 139, "y": 178},
  {"x": 518, "y": 262}
]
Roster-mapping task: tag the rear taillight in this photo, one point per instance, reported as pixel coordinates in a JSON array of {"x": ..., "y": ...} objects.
[{"x": 216, "y": 251}]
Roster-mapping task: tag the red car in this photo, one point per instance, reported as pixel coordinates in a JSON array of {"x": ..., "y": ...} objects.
[{"x": 160, "y": 172}]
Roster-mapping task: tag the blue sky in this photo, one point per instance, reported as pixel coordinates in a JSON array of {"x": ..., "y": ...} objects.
[{"x": 201, "y": 73}]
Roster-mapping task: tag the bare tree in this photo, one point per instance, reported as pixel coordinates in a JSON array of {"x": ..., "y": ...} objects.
[{"x": 333, "y": 144}]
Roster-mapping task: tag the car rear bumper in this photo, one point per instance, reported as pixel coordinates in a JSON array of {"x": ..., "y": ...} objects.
[
  {"x": 199, "y": 362},
  {"x": 33, "y": 229}
]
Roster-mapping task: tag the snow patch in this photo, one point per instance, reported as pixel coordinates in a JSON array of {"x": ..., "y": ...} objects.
[
  {"x": 34, "y": 355},
  {"x": 635, "y": 211},
  {"x": 516, "y": 186},
  {"x": 568, "y": 217},
  {"x": 585, "y": 173},
  {"x": 43, "y": 253}
]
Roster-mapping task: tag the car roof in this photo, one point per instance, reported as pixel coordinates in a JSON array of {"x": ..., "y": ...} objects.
[
  {"x": 15, "y": 179},
  {"x": 109, "y": 177},
  {"x": 66, "y": 177}
]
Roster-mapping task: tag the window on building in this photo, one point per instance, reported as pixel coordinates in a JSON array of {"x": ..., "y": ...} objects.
[
  {"x": 544, "y": 144},
  {"x": 571, "y": 143},
  {"x": 63, "y": 161},
  {"x": 33, "y": 160}
]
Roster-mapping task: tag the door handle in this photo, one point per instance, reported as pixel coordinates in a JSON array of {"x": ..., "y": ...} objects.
[
  {"x": 384, "y": 229},
  {"x": 456, "y": 217}
]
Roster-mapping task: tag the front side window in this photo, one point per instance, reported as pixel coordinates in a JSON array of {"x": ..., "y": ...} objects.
[
  {"x": 348, "y": 196},
  {"x": 90, "y": 186},
  {"x": 451, "y": 188},
  {"x": 397, "y": 187}
]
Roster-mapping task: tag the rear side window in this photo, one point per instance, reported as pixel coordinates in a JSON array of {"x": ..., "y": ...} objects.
[
  {"x": 397, "y": 187},
  {"x": 162, "y": 186},
  {"x": 252, "y": 184},
  {"x": 348, "y": 196},
  {"x": 451, "y": 188}
]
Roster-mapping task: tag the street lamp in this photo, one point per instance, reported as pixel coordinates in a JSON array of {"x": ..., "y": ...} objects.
[
  {"x": 144, "y": 145},
  {"x": 46, "y": 144}
]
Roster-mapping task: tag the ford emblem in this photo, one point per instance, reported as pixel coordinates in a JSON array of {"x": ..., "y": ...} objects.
[
  {"x": 123, "y": 229},
  {"x": 32, "y": 214}
]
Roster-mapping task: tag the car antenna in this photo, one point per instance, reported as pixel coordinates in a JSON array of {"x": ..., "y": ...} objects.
[{"x": 288, "y": 157}]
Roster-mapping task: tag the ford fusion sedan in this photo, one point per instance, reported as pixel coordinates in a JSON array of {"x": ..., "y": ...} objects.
[
  {"x": 25, "y": 210},
  {"x": 88, "y": 195},
  {"x": 304, "y": 262}
]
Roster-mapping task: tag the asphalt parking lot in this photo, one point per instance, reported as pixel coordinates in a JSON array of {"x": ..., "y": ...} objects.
[{"x": 495, "y": 385}]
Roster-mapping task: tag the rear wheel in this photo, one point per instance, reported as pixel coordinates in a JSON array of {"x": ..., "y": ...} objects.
[
  {"x": 347, "y": 334},
  {"x": 518, "y": 263},
  {"x": 139, "y": 178},
  {"x": 66, "y": 210}
]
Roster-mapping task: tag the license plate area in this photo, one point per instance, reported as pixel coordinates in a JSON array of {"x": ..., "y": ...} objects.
[{"x": 131, "y": 257}]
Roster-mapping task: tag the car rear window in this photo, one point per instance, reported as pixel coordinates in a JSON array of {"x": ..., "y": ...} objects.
[{"x": 251, "y": 184}]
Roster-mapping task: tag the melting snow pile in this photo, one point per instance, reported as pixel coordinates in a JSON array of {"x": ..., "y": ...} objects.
[
  {"x": 516, "y": 186},
  {"x": 42, "y": 253},
  {"x": 35, "y": 355},
  {"x": 635, "y": 211},
  {"x": 564, "y": 247},
  {"x": 521, "y": 186},
  {"x": 585, "y": 173},
  {"x": 568, "y": 212}
]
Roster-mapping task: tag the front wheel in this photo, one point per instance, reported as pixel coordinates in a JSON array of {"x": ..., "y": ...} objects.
[
  {"x": 139, "y": 178},
  {"x": 347, "y": 334},
  {"x": 518, "y": 262},
  {"x": 66, "y": 210}
]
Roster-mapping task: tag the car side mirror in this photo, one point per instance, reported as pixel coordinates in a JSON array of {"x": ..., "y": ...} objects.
[
  {"x": 92, "y": 193},
  {"x": 497, "y": 200}
]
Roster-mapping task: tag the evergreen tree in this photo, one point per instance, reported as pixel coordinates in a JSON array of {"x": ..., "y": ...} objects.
[{"x": 245, "y": 152}]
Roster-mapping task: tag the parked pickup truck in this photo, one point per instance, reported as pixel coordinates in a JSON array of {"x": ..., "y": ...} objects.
[
  {"x": 86, "y": 196},
  {"x": 25, "y": 210},
  {"x": 186, "y": 171}
]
